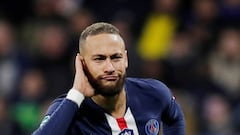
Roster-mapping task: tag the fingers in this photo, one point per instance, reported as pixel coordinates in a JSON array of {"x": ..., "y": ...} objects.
[
  {"x": 81, "y": 82},
  {"x": 78, "y": 63},
  {"x": 79, "y": 75}
]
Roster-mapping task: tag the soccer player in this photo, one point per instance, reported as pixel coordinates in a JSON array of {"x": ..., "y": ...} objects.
[{"x": 103, "y": 101}]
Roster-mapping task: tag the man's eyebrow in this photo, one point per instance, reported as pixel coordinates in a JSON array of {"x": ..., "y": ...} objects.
[
  {"x": 99, "y": 55},
  {"x": 117, "y": 54}
]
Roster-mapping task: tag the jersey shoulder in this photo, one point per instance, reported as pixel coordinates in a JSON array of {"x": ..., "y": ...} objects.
[
  {"x": 147, "y": 83},
  {"x": 55, "y": 103},
  {"x": 149, "y": 86}
]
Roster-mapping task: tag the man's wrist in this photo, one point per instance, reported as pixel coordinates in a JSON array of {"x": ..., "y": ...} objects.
[{"x": 75, "y": 96}]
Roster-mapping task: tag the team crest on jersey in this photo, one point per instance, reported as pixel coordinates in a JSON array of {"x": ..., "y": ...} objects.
[
  {"x": 152, "y": 127},
  {"x": 126, "y": 132}
]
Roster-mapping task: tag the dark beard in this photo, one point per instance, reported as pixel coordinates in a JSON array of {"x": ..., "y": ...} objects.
[{"x": 107, "y": 91}]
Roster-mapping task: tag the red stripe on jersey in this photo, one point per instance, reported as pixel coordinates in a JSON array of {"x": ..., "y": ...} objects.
[{"x": 121, "y": 123}]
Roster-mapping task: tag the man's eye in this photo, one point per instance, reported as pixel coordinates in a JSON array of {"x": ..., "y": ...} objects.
[
  {"x": 98, "y": 59},
  {"x": 117, "y": 57}
]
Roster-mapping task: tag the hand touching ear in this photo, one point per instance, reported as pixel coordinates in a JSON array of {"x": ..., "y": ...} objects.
[{"x": 81, "y": 82}]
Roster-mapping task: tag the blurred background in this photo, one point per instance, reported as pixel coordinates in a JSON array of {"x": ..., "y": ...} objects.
[{"x": 191, "y": 45}]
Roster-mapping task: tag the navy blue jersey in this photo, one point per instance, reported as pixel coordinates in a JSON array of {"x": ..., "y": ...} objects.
[{"x": 149, "y": 104}]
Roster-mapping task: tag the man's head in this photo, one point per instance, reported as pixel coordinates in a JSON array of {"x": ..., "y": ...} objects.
[
  {"x": 96, "y": 29},
  {"x": 104, "y": 58}
]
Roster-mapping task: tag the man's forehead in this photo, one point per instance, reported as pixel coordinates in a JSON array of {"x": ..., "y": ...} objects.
[
  {"x": 104, "y": 36},
  {"x": 104, "y": 44},
  {"x": 105, "y": 51}
]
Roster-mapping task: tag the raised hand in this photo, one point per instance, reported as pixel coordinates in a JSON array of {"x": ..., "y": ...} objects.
[{"x": 81, "y": 82}]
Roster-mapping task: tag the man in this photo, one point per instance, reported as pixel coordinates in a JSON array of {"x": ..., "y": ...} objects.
[{"x": 103, "y": 102}]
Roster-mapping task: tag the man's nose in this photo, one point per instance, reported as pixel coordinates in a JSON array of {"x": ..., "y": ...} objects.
[{"x": 109, "y": 67}]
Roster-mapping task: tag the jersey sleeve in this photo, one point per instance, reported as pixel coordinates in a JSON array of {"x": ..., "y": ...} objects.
[
  {"x": 58, "y": 118},
  {"x": 173, "y": 118}
]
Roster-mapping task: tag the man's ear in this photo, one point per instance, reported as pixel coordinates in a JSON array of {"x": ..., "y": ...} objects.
[
  {"x": 83, "y": 62},
  {"x": 85, "y": 69},
  {"x": 81, "y": 59}
]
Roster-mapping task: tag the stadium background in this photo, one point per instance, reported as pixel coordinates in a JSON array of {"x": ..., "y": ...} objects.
[{"x": 191, "y": 45}]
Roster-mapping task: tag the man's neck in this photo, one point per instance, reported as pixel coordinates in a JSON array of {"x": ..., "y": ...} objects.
[{"x": 115, "y": 105}]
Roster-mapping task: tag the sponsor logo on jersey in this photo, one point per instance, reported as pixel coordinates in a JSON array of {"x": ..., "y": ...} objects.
[
  {"x": 152, "y": 127},
  {"x": 45, "y": 120},
  {"x": 126, "y": 132}
]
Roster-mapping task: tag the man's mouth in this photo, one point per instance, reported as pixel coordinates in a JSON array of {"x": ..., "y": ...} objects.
[{"x": 110, "y": 77}]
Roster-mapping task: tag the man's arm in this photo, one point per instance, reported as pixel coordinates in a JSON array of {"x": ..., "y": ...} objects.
[
  {"x": 173, "y": 119},
  {"x": 58, "y": 118},
  {"x": 60, "y": 114}
]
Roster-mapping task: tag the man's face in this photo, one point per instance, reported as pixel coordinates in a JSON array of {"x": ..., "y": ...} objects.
[{"x": 105, "y": 63}]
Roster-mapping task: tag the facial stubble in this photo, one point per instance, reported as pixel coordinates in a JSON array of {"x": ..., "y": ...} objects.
[{"x": 105, "y": 90}]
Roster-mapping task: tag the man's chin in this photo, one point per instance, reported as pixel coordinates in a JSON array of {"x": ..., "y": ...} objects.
[
  {"x": 109, "y": 90},
  {"x": 109, "y": 83},
  {"x": 109, "y": 93}
]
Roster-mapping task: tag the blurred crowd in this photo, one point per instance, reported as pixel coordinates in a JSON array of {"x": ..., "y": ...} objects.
[{"x": 191, "y": 45}]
